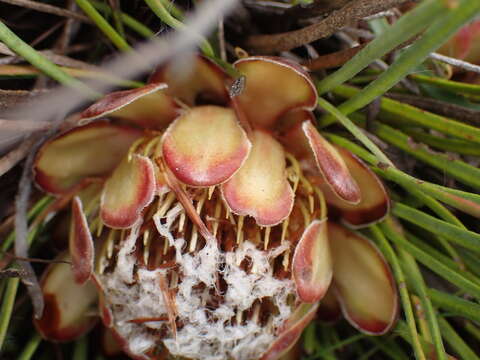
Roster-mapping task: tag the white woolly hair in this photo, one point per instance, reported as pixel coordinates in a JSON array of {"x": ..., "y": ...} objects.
[{"x": 206, "y": 333}]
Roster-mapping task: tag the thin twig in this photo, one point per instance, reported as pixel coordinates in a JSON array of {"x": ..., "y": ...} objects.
[
  {"x": 333, "y": 60},
  {"x": 4, "y": 50},
  {"x": 63, "y": 60},
  {"x": 64, "y": 39},
  {"x": 359, "y": 33},
  {"x": 46, "y": 33},
  {"x": 36, "y": 260},
  {"x": 379, "y": 15},
  {"x": 50, "y": 9},
  {"x": 456, "y": 62},
  {"x": 21, "y": 233},
  {"x": 13, "y": 157},
  {"x": 221, "y": 40},
  {"x": 57, "y": 59},
  {"x": 351, "y": 12},
  {"x": 21, "y": 226}
]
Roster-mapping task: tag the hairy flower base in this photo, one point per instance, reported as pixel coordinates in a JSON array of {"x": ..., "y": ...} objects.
[
  {"x": 239, "y": 321},
  {"x": 165, "y": 287}
]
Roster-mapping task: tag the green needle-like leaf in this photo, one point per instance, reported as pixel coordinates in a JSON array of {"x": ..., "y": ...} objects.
[
  {"x": 432, "y": 263},
  {"x": 103, "y": 25},
  {"x": 458, "y": 235},
  {"x": 404, "y": 114},
  {"x": 456, "y": 305},
  {"x": 31, "y": 347},
  {"x": 444, "y": 27},
  {"x": 405, "y": 28},
  {"x": 7, "y": 307},
  {"x": 456, "y": 341},
  {"x": 350, "y": 126},
  {"x": 392, "y": 259}
]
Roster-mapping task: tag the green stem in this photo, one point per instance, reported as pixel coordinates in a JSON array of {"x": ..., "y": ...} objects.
[
  {"x": 456, "y": 342},
  {"x": 173, "y": 9},
  {"x": 326, "y": 341},
  {"x": 401, "y": 330},
  {"x": 161, "y": 11},
  {"x": 392, "y": 259},
  {"x": 445, "y": 260},
  {"x": 390, "y": 347},
  {"x": 475, "y": 198},
  {"x": 338, "y": 345},
  {"x": 31, "y": 347},
  {"x": 117, "y": 18},
  {"x": 310, "y": 339},
  {"x": 472, "y": 329},
  {"x": 454, "y": 86},
  {"x": 11, "y": 291},
  {"x": 103, "y": 25},
  {"x": 444, "y": 213},
  {"x": 446, "y": 144},
  {"x": 471, "y": 261},
  {"x": 129, "y": 21},
  {"x": 80, "y": 350},
  {"x": 7, "y": 307},
  {"x": 417, "y": 281},
  {"x": 456, "y": 305},
  {"x": 24, "y": 50}
]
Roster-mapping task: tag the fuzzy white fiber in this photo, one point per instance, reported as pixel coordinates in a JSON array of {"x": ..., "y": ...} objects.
[{"x": 206, "y": 334}]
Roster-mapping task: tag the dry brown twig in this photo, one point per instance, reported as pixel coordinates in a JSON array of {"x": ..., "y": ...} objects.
[
  {"x": 335, "y": 59},
  {"x": 353, "y": 11},
  {"x": 46, "y": 8},
  {"x": 9, "y": 160},
  {"x": 340, "y": 57}
]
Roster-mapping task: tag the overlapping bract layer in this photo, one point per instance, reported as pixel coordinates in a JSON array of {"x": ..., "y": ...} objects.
[{"x": 271, "y": 165}]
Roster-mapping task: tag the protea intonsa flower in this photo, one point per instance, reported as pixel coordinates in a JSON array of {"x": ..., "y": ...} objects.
[{"x": 201, "y": 217}]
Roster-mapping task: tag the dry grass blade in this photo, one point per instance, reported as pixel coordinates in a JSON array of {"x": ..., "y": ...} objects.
[{"x": 50, "y": 9}]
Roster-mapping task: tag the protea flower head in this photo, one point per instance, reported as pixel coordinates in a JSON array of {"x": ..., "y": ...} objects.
[{"x": 199, "y": 217}]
